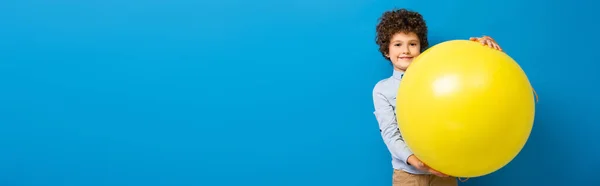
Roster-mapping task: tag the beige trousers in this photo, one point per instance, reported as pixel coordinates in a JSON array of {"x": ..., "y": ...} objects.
[{"x": 402, "y": 178}]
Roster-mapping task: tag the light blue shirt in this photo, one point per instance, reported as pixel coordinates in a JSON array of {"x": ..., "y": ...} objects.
[{"x": 384, "y": 100}]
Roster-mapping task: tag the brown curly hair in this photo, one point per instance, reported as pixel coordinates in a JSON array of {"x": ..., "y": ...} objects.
[{"x": 400, "y": 20}]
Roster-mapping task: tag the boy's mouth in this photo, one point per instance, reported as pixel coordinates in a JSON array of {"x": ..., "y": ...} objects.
[{"x": 405, "y": 58}]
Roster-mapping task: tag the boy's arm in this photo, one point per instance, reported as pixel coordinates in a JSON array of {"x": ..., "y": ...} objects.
[{"x": 388, "y": 126}]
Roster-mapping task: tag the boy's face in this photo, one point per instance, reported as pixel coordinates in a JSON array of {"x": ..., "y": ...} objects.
[{"x": 404, "y": 47}]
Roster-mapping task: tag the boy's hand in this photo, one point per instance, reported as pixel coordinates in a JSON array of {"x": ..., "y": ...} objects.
[
  {"x": 415, "y": 162},
  {"x": 487, "y": 40}
]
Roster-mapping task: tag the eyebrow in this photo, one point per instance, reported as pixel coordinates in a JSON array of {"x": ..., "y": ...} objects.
[{"x": 408, "y": 41}]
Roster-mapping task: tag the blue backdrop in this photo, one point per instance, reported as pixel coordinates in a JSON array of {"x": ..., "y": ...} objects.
[{"x": 263, "y": 92}]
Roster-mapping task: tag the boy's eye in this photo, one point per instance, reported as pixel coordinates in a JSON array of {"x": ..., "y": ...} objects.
[
  {"x": 413, "y": 44},
  {"x": 397, "y": 44}
]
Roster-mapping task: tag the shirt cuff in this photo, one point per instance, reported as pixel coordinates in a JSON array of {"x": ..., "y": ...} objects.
[{"x": 405, "y": 154}]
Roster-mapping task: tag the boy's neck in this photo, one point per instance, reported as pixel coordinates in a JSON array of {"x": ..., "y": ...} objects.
[{"x": 398, "y": 74}]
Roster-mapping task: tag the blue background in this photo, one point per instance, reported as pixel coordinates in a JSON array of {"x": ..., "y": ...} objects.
[{"x": 263, "y": 92}]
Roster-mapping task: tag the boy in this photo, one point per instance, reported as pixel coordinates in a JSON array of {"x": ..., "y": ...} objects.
[{"x": 402, "y": 36}]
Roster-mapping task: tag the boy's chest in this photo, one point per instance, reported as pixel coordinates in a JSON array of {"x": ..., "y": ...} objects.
[
  {"x": 393, "y": 102},
  {"x": 392, "y": 94}
]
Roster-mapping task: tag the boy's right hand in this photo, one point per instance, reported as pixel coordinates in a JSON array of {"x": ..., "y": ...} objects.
[{"x": 415, "y": 162}]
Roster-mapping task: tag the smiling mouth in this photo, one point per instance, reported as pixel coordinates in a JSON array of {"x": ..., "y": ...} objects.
[{"x": 405, "y": 58}]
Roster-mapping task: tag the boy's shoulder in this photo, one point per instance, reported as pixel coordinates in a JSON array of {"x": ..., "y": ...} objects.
[{"x": 385, "y": 85}]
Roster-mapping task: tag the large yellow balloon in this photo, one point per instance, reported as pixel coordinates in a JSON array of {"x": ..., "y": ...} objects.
[{"x": 465, "y": 109}]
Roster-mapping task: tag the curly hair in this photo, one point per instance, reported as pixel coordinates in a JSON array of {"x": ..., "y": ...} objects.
[{"x": 400, "y": 20}]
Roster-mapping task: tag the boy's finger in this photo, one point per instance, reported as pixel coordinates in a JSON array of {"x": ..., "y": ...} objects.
[
  {"x": 487, "y": 43},
  {"x": 437, "y": 173},
  {"x": 496, "y": 46}
]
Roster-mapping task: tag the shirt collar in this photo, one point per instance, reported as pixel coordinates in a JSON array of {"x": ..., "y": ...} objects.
[{"x": 397, "y": 74}]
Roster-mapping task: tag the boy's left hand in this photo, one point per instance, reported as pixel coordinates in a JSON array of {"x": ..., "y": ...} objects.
[{"x": 487, "y": 40}]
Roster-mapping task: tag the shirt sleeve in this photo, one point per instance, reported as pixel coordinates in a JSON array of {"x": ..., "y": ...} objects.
[{"x": 388, "y": 126}]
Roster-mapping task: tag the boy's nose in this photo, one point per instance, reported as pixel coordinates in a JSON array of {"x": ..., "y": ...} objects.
[{"x": 405, "y": 50}]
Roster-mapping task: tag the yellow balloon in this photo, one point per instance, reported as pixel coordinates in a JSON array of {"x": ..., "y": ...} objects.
[{"x": 465, "y": 109}]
